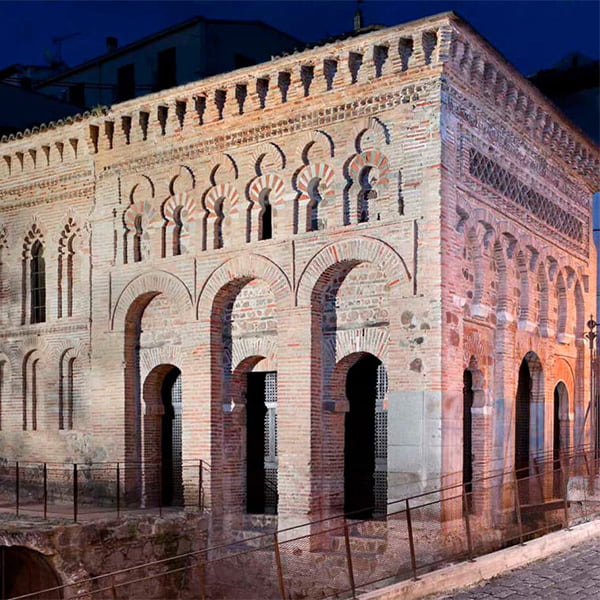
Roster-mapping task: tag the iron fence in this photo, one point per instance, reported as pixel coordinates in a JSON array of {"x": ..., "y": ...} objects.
[{"x": 92, "y": 490}]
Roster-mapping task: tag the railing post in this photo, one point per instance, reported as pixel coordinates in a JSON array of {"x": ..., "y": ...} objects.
[
  {"x": 201, "y": 579},
  {"x": 279, "y": 566},
  {"x": 565, "y": 495},
  {"x": 113, "y": 588},
  {"x": 75, "y": 493},
  {"x": 467, "y": 523},
  {"x": 45, "y": 471},
  {"x": 518, "y": 506},
  {"x": 411, "y": 542},
  {"x": 349, "y": 558},
  {"x": 200, "y": 487},
  {"x": 118, "y": 491},
  {"x": 17, "y": 490}
]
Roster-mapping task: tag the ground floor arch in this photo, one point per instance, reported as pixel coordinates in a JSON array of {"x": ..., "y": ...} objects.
[
  {"x": 162, "y": 437},
  {"x": 365, "y": 438},
  {"x": 529, "y": 420},
  {"x": 26, "y": 571}
]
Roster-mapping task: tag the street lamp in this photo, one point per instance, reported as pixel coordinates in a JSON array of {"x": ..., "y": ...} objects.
[{"x": 591, "y": 335}]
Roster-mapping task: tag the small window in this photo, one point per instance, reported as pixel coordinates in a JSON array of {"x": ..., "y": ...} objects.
[
  {"x": 126, "y": 83},
  {"x": 166, "y": 72},
  {"x": 38, "y": 283},
  {"x": 77, "y": 94},
  {"x": 265, "y": 231},
  {"x": 137, "y": 239}
]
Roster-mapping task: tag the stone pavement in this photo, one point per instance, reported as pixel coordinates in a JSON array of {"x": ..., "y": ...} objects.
[{"x": 571, "y": 574}]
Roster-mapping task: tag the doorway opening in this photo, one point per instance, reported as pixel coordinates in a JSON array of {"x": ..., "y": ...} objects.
[
  {"x": 468, "y": 439},
  {"x": 365, "y": 440},
  {"x": 261, "y": 443},
  {"x": 522, "y": 428},
  {"x": 560, "y": 436},
  {"x": 171, "y": 433}
]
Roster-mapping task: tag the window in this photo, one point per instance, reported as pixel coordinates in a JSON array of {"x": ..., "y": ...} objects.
[
  {"x": 219, "y": 218},
  {"x": 66, "y": 254},
  {"x": 177, "y": 228},
  {"x": 166, "y": 72},
  {"x": 265, "y": 227},
  {"x": 365, "y": 195},
  {"x": 77, "y": 94},
  {"x": 313, "y": 222},
  {"x": 137, "y": 239},
  {"x": 30, "y": 391},
  {"x": 126, "y": 82},
  {"x": 66, "y": 394},
  {"x": 38, "y": 283}
]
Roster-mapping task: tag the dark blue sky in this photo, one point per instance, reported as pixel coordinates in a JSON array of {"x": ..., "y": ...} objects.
[{"x": 531, "y": 34}]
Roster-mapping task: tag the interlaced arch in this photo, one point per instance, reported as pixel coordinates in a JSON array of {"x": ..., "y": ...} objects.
[{"x": 66, "y": 254}]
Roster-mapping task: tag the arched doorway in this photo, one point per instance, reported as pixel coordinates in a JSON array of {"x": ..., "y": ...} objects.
[
  {"x": 468, "y": 438},
  {"x": 261, "y": 443},
  {"x": 523, "y": 421},
  {"x": 365, "y": 439},
  {"x": 529, "y": 421},
  {"x": 25, "y": 571},
  {"x": 162, "y": 437},
  {"x": 560, "y": 435}
]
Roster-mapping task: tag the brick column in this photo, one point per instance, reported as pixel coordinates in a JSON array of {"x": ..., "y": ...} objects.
[{"x": 298, "y": 401}]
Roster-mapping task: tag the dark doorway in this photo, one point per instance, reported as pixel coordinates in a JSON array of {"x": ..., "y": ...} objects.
[
  {"x": 468, "y": 438},
  {"x": 25, "y": 571},
  {"x": 261, "y": 443},
  {"x": 522, "y": 427},
  {"x": 365, "y": 439},
  {"x": 171, "y": 430},
  {"x": 560, "y": 442}
]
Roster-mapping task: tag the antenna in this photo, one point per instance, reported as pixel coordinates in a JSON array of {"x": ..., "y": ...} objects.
[
  {"x": 58, "y": 42},
  {"x": 358, "y": 16}
]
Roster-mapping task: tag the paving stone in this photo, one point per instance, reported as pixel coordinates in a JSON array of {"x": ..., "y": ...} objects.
[{"x": 572, "y": 574}]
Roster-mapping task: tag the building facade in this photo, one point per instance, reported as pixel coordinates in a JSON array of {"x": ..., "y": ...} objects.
[{"x": 339, "y": 277}]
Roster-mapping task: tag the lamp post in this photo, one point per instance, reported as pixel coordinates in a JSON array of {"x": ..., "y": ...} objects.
[{"x": 591, "y": 335}]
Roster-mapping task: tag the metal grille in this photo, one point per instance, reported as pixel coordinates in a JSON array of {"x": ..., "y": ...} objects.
[
  {"x": 177, "y": 443},
  {"x": 381, "y": 440},
  {"x": 271, "y": 443},
  {"x": 489, "y": 172}
]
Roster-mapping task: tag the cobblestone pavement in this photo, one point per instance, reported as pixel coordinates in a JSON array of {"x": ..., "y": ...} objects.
[{"x": 572, "y": 574}]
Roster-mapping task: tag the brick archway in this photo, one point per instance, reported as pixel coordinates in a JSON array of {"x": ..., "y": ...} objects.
[
  {"x": 154, "y": 283},
  {"x": 356, "y": 250},
  {"x": 243, "y": 269}
]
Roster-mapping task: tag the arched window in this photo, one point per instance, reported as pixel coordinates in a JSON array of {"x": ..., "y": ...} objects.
[
  {"x": 313, "y": 222},
  {"x": 365, "y": 195},
  {"x": 177, "y": 229},
  {"x": 66, "y": 392},
  {"x": 137, "y": 239},
  {"x": 265, "y": 219},
  {"x": 66, "y": 253},
  {"x": 219, "y": 218},
  {"x": 30, "y": 392},
  {"x": 38, "y": 283}
]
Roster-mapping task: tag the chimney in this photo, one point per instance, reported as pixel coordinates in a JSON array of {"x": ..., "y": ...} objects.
[{"x": 112, "y": 43}]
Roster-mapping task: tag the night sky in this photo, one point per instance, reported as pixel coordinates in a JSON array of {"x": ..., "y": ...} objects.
[{"x": 531, "y": 34}]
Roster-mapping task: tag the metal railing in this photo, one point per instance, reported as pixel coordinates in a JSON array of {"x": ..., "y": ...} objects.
[
  {"x": 92, "y": 490},
  {"x": 339, "y": 556}
]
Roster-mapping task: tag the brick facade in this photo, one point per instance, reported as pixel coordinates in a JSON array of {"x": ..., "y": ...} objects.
[{"x": 403, "y": 194}]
